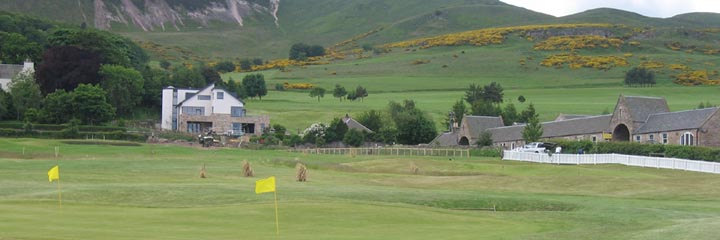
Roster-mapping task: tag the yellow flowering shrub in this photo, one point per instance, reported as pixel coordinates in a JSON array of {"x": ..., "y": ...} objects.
[
  {"x": 575, "y": 61},
  {"x": 577, "y": 42}
]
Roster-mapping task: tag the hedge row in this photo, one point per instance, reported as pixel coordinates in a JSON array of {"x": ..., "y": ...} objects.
[
  {"x": 116, "y": 135},
  {"x": 59, "y": 127},
  {"x": 638, "y": 149}
]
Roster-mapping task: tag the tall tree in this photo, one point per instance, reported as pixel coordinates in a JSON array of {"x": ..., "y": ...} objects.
[
  {"x": 371, "y": 119},
  {"x": 225, "y": 67},
  {"x": 459, "y": 110},
  {"x": 317, "y": 92},
  {"x": 361, "y": 92},
  {"x": 473, "y": 93},
  {"x": 15, "y": 48},
  {"x": 510, "y": 114},
  {"x": 254, "y": 85},
  {"x": 412, "y": 124},
  {"x": 528, "y": 113},
  {"x": 533, "y": 130},
  {"x": 57, "y": 107},
  {"x": 123, "y": 87},
  {"x": 640, "y": 76},
  {"x": 66, "y": 67},
  {"x": 90, "y": 104},
  {"x": 493, "y": 93},
  {"x": 336, "y": 131},
  {"x": 485, "y": 108},
  {"x": 4, "y": 104},
  {"x": 211, "y": 75},
  {"x": 339, "y": 92},
  {"x": 25, "y": 94}
]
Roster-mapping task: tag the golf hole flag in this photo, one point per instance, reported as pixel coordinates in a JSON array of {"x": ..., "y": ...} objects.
[
  {"x": 265, "y": 185},
  {"x": 54, "y": 173}
]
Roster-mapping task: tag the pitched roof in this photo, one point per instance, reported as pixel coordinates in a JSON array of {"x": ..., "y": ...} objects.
[
  {"x": 477, "y": 124},
  {"x": 8, "y": 71},
  {"x": 642, "y": 107},
  {"x": 445, "y": 139},
  {"x": 576, "y": 126},
  {"x": 352, "y": 124},
  {"x": 663, "y": 122}
]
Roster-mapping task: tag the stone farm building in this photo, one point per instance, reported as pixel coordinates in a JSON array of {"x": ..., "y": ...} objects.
[
  {"x": 638, "y": 119},
  {"x": 199, "y": 110}
]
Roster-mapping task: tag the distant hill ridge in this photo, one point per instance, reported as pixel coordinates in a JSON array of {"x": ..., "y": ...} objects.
[{"x": 267, "y": 28}]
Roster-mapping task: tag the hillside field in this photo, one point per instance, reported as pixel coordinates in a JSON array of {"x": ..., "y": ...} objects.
[
  {"x": 154, "y": 192},
  {"x": 436, "y": 85}
]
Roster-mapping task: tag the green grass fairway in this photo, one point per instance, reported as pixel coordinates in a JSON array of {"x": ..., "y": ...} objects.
[{"x": 153, "y": 192}]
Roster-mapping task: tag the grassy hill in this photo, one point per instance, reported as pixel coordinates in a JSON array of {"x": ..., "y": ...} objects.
[{"x": 154, "y": 192}]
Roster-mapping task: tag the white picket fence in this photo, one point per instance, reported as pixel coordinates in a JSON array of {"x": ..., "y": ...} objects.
[{"x": 628, "y": 160}]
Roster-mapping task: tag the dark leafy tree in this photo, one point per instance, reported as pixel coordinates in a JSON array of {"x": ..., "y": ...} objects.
[
  {"x": 532, "y": 131},
  {"x": 354, "y": 138},
  {"x": 112, "y": 48},
  {"x": 336, "y": 131},
  {"x": 123, "y": 87},
  {"x": 352, "y": 96},
  {"x": 4, "y": 104},
  {"x": 301, "y": 51},
  {"x": 317, "y": 92},
  {"x": 25, "y": 94},
  {"x": 640, "y": 76},
  {"x": 485, "y": 108},
  {"x": 66, "y": 67},
  {"x": 459, "y": 110},
  {"x": 246, "y": 64},
  {"x": 211, "y": 75},
  {"x": 279, "y": 131},
  {"x": 521, "y": 99},
  {"x": 90, "y": 104},
  {"x": 493, "y": 93},
  {"x": 225, "y": 67},
  {"x": 528, "y": 113},
  {"x": 371, "y": 119},
  {"x": 474, "y": 93},
  {"x": 155, "y": 80},
  {"x": 57, "y": 107},
  {"x": 16, "y": 48},
  {"x": 339, "y": 92},
  {"x": 165, "y": 64},
  {"x": 187, "y": 78},
  {"x": 254, "y": 85},
  {"x": 412, "y": 124},
  {"x": 387, "y": 135},
  {"x": 510, "y": 114},
  {"x": 485, "y": 139},
  {"x": 361, "y": 92},
  {"x": 257, "y": 61}
]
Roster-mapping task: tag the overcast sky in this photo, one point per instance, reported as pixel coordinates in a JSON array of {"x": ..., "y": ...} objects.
[{"x": 650, "y": 8}]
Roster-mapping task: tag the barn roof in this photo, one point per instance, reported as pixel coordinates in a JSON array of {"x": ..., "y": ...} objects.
[
  {"x": 576, "y": 126},
  {"x": 672, "y": 121},
  {"x": 640, "y": 108}
]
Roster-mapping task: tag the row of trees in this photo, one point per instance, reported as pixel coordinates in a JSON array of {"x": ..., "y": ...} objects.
[
  {"x": 302, "y": 51},
  {"x": 639, "y": 76},
  {"x": 340, "y": 92}
]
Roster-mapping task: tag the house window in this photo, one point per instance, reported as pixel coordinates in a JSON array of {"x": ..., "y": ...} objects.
[
  {"x": 237, "y": 111},
  {"x": 237, "y": 129},
  {"x": 651, "y": 138},
  {"x": 193, "y": 111},
  {"x": 594, "y": 139},
  {"x": 220, "y": 95},
  {"x": 204, "y": 97},
  {"x": 188, "y": 95},
  {"x": 665, "y": 138},
  {"x": 193, "y": 127},
  {"x": 512, "y": 145},
  {"x": 687, "y": 139},
  {"x": 638, "y": 138}
]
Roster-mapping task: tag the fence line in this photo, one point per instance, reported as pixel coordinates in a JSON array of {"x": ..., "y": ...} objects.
[
  {"x": 449, "y": 152},
  {"x": 628, "y": 160}
]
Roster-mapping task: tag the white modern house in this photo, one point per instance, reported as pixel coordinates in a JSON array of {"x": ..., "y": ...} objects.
[
  {"x": 210, "y": 108},
  {"x": 9, "y": 71}
]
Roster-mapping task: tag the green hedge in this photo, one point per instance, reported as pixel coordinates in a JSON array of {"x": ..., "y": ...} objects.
[
  {"x": 486, "y": 152},
  {"x": 59, "y": 127},
  {"x": 116, "y": 135}
]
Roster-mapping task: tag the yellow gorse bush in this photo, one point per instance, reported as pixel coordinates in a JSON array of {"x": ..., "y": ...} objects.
[{"x": 578, "y": 42}]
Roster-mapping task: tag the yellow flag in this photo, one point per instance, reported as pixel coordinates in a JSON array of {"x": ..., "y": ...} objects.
[
  {"x": 54, "y": 173},
  {"x": 265, "y": 185}
]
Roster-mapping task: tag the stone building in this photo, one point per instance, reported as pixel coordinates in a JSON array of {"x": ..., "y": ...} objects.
[{"x": 635, "y": 118}]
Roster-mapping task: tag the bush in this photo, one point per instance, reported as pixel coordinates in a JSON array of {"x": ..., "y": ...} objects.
[
  {"x": 569, "y": 146},
  {"x": 354, "y": 138},
  {"x": 486, "y": 152}
]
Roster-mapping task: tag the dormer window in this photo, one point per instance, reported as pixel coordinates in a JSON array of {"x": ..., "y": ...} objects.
[
  {"x": 220, "y": 95},
  {"x": 204, "y": 97}
]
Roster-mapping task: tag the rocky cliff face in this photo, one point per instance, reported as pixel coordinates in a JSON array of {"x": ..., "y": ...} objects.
[{"x": 152, "y": 15}]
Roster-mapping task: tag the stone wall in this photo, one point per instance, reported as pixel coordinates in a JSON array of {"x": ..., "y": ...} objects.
[{"x": 222, "y": 123}]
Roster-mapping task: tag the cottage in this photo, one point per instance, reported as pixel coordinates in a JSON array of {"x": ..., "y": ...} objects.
[
  {"x": 635, "y": 118},
  {"x": 210, "y": 108}
]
